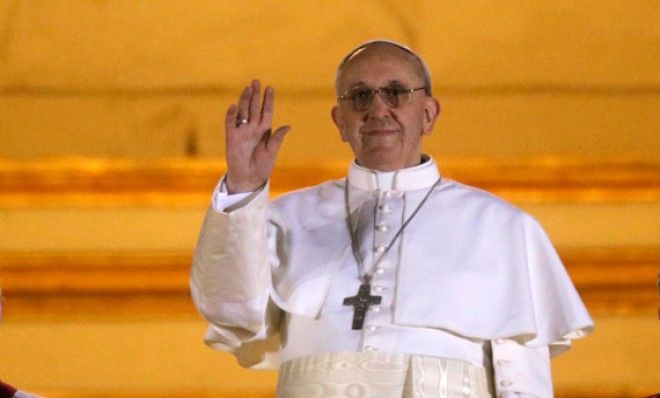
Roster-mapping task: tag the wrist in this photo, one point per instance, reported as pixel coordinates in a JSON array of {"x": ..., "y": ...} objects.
[{"x": 237, "y": 186}]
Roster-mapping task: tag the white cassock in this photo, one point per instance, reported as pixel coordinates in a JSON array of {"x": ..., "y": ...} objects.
[{"x": 472, "y": 283}]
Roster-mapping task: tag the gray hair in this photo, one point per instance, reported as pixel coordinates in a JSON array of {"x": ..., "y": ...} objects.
[{"x": 428, "y": 88}]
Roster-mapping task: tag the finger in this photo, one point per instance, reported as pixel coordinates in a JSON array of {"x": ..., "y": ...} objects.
[
  {"x": 230, "y": 118},
  {"x": 244, "y": 105},
  {"x": 267, "y": 110},
  {"x": 255, "y": 102},
  {"x": 276, "y": 138}
]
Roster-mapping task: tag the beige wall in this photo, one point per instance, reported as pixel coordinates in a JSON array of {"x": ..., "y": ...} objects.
[
  {"x": 147, "y": 80},
  {"x": 123, "y": 78}
]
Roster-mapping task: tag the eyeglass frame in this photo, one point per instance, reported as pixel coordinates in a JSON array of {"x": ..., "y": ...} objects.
[{"x": 378, "y": 91}]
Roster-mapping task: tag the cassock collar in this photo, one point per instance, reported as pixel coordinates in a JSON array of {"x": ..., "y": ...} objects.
[{"x": 408, "y": 179}]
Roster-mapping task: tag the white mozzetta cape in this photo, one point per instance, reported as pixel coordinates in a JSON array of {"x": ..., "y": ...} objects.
[{"x": 470, "y": 264}]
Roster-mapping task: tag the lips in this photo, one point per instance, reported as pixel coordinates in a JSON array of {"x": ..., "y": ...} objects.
[{"x": 379, "y": 132}]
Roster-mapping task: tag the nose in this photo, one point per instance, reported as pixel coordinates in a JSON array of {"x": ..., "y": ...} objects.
[{"x": 378, "y": 107}]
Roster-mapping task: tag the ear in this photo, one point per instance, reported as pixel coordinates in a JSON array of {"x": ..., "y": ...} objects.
[
  {"x": 338, "y": 118},
  {"x": 431, "y": 114}
]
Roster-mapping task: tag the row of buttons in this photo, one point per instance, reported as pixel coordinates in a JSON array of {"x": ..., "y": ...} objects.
[
  {"x": 372, "y": 328},
  {"x": 380, "y": 270},
  {"x": 382, "y": 226},
  {"x": 503, "y": 363}
]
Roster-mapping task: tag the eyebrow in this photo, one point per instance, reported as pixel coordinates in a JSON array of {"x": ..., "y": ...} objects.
[{"x": 363, "y": 84}]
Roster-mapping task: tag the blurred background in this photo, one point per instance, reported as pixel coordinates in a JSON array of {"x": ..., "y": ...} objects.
[{"x": 111, "y": 140}]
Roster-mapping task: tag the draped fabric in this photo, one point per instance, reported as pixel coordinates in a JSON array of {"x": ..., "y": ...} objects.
[{"x": 470, "y": 264}]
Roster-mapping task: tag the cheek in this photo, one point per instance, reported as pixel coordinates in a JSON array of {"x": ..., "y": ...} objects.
[
  {"x": 342, "y": 134},
  {"x": 351, "y": 129},
  {"x": 347, "y": 134}
]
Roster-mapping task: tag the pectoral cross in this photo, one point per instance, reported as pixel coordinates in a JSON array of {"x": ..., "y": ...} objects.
[{"x": 361, "y": 303}]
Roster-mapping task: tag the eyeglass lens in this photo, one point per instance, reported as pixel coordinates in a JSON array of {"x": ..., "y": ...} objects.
[{"x": 391, "y": 96}]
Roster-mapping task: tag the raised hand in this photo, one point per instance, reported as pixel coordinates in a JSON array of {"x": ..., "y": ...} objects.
[{"x": 251, "y": 144}]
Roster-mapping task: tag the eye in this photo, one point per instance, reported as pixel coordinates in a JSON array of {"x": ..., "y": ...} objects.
[
  {"x": 394, "y": 91},
  {"x": 361, "y": 95}
]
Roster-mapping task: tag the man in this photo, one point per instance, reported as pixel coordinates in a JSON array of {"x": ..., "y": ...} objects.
[{"x": 393, "y": 282}]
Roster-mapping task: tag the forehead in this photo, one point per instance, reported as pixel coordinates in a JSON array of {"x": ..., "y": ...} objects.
[{"x": 378, "y": 65}]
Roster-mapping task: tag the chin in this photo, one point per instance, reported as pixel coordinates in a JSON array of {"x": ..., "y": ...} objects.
[{"x": 383, "y": 158}]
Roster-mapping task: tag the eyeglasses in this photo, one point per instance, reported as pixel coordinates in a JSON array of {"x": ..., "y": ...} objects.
[{"x": 392, "y": 96}]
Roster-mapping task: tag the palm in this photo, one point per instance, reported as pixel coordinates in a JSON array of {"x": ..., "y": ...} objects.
[{"x": 251, "y": 145}]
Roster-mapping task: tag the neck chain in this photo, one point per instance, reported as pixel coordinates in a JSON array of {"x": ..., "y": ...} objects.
[{"x": 365, "y": 276}]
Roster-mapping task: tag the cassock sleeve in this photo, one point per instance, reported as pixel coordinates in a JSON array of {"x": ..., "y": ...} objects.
[
  {"x": 520, "y": 371},
  {"x": 231, "y": 283}
]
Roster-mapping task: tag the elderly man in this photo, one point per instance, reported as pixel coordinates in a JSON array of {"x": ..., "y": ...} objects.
[{"x": 392, "y": 282}]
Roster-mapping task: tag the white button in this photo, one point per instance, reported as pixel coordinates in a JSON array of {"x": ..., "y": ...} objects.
[
  {"x": 380, "y": 249},
  {"x": 372, "y": 327},
  {"x": 388, "y": 194},
  {"x": 369, "y": 348},
  {"x": 502, "y": 362},
  {"x": 382, "y": 228},
  {"x": 380, "y": 271},
  {"x": 378, "y": 289},
  {"x": 375, "y": 308},
  {"x": 506, "y": 383}
]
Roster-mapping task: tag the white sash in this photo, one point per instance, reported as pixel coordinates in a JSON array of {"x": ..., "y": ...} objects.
[{"x": 381, "y": 375}]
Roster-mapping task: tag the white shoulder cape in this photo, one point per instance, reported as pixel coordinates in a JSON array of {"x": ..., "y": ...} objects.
[{"x": 471, "y": 264}]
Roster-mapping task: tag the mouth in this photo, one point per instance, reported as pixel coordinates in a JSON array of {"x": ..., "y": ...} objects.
[{"x": 379, "y": 132}]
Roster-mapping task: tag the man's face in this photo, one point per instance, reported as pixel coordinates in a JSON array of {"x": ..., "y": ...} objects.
[{"x": 382, "y": 137}]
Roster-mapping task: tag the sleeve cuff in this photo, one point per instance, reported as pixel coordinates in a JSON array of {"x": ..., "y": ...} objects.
[
  {"x": 521, "y": 371},
  {"x": 224, "y": 202}
]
